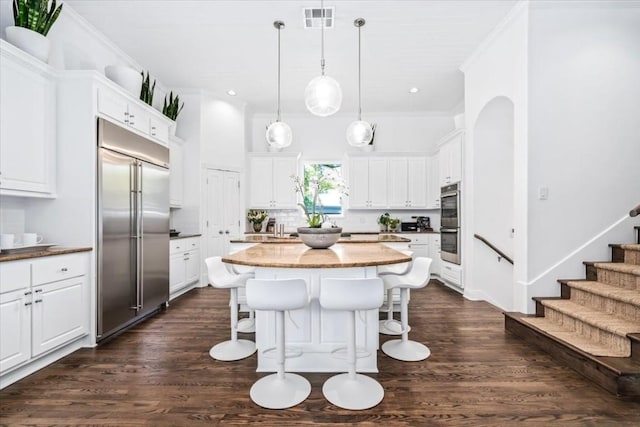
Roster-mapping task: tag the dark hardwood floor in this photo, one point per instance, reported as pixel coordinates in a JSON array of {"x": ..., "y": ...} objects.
[{"x": 160, "y": 374}]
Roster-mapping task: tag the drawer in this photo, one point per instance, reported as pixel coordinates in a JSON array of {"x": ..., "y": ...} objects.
[
  {"x": 451, "y": 274},
  {"x": 419, "y": 239},
  {"x": 181, "y": 245},
  {"x": 54, "y": 268},
  {"x": 14, "y": 275}
]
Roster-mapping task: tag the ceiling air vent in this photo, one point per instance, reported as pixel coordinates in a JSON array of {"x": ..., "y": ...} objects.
[{"x": 313, "y": 17}]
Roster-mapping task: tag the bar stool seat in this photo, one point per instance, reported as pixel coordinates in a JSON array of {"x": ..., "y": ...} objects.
[
  {"x": 352, "y": 390},
  {"x": 220, "y": 277},
  {"x": 390, "y": 326},
  {"x": 418, "y": 277},
  {"x": 282, "y": 389}
]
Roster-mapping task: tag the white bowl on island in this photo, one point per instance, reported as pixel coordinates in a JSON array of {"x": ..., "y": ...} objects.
[{"x": 319, "y": 238}]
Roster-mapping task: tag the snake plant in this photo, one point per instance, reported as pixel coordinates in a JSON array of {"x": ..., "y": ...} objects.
[
  {"x": 146, "y": 92},
  {"x": 33, "y": 14},
  {"x": 173, "y": 107}
]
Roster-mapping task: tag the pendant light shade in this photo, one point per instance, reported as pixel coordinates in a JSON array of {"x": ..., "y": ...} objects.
[
  {"x": 359, "y": 133},
  {"x": 278, "y": 133},
  {"x": 323, "y": 94}
]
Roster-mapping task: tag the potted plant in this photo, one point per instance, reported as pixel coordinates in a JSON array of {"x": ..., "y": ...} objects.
[
  {"x": 172, "y": 109},
  {"x": 146, "y": 91},
  {"x": 393, "y": 224},
  {"x": 256, "y": 217},
  {"x": 383, "y": 220},
  {"x": 32, "y": 21},
  {"x": 319, "y": 234}
]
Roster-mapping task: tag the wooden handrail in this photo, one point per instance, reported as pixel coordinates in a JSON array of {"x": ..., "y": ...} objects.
[
  {"x": 635, "y": 211},
  {"x": 498, "y": 251}
]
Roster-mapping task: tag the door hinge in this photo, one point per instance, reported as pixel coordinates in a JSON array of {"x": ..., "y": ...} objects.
[
  {"x": 207, "y": 223},
  {"x": 238, "y": 184}
]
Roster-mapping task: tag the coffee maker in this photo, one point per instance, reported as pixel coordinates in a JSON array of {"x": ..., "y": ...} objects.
[{"x": 423, "y": 223}]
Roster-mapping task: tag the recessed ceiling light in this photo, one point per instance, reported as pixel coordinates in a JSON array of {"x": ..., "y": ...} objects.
[
  {"x": 231, "y": 92},
  {"x": 414, "y": 90}
]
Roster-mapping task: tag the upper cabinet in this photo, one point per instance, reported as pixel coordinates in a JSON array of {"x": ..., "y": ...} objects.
[
  {"x": 133, "y": 114},
  {"x": 407, "y": 182},
  {"x": 389, "y": 181},
  {"x": 28, "y": 125},
  {"x": 450, "y": 158},
  {"x": 368, "y": 182},
  {"x": 270, "y": 184},
  {"x": 433, "y": 183}
]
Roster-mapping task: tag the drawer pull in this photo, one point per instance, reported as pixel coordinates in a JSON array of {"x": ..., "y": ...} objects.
[
  {"x": 38, "y": 291},
  {"x": 64, "y": 269},
  {"x": 177, "y": 247},
  {"x": 27, "y": 303},
  {"x": 38, "y": 300},
  {"x": 28, "y": 293}
]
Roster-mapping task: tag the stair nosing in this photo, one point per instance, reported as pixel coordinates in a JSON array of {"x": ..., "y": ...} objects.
[{"x": 596, "y": 291}]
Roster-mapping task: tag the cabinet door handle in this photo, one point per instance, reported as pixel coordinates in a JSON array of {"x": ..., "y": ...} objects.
[
  {"x": 219, "y": 231},
  {"x": 27, "y": 303},
  {"x": 38, "y": 291},
  {"x": 38, "y": 300},
  {"x": 226, "y": 232},
  {"x": 64, "y": 269},
  {"x": 28, "y": 293},
  {"x": 187, "y": 259}
]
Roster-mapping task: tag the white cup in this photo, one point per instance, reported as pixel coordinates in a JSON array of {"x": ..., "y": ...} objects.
[
  {"x": 7, "y": 241},
  {"x": 30, "y": 239}
]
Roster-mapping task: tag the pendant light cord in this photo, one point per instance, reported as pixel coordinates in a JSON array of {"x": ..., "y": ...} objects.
[
  {"x": 278, "y": 114},
  {"x": 359, "y": 77},
  {"x": 322, "y": 36}
]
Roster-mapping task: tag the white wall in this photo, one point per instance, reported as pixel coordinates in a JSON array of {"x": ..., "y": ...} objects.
[
  {"x": 583, "y": 124},
  {"x": 325, "y": 137},
  {"x": 498, "y": 68}
]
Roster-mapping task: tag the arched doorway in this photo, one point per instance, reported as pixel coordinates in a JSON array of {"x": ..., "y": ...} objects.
[{"x": 493, "y": 201}]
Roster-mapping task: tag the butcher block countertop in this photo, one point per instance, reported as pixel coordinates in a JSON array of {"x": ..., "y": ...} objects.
[
  {"x": 356, "y": 238},
  {"x": 298, "y": 255},
  {"x": 43, "y": 253}
]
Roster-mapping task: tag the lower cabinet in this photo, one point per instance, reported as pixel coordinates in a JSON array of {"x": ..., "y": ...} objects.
[
  {"x": 184, "y": 263},
  {"x": 434, "y": 254},
  {"x": 45, "y": 306}
]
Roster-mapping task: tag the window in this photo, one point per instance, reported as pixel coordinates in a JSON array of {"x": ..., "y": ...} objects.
[{"x": 331, "y": 187}]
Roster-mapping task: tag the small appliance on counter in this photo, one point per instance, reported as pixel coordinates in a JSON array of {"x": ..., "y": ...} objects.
[
  {"x": 271, "y": 225},
  {"x": 423, "y": 223}
]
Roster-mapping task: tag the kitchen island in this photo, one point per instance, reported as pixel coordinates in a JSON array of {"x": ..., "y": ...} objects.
[{"x": 318, "y": 333}]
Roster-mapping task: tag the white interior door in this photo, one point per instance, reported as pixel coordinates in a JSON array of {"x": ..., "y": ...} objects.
[{"x": 223, "y": 210}]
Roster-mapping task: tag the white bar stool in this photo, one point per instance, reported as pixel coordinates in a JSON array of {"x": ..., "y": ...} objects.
[
  {"x": 221, "y": 277},
  {"x": 282, "y": 389},
  {"x": 352, "y": 390},
  {"x": 418, "y": 277},
  {"x": 390, "y": 326},
  {"x": 246, "y": 325}
]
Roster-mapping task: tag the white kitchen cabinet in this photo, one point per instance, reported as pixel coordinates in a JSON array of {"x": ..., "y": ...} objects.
[
  {"x": 450, "y": 158},
  {"x": 44, "y": 304},
  {"x": 28, "y": 125},
  {"x": 433, "y": 183},
  {"x": 133, "y": 114},
  {"x": 270, "y": 184},
  {"x": 176, "y": 172},
  {"x": 368, "y": 182},
  {"x": 452, "y": 275},
  {"x": 407, "y": 184},
  {"x": 184, "y": 263}
]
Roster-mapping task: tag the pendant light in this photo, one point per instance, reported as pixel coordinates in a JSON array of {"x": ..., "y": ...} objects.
[
  {"x": 323, "y": 95},
  {"x": 359, "y": 133},
  {"x": 278, "y": 133}
]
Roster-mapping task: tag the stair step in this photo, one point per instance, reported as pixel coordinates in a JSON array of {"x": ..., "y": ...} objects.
[
  {"x": 593, "y": 317},
  {"x": 618, "y": 274},
  {"x": 569, "y": 336},
  {"x": 620, "y": 376},
  {"x": 617, "y": 301}
]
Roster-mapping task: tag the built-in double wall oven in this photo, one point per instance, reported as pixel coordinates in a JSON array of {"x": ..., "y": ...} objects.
[{"x": 450, "y": 223}]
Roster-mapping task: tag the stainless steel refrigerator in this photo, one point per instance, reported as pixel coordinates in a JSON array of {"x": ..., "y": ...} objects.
[{"x": 133, "y": 228}]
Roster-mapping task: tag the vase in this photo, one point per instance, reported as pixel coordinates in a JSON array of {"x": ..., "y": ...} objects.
[
  {"x": 126, "y": 77},
  {"x": 30, "y": 41},
  {"x": 319, "y": 238},
  {"x": 257, "y": 227}
]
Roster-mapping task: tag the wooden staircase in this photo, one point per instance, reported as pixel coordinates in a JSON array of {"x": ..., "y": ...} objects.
[{"x": 594, "y": 326}]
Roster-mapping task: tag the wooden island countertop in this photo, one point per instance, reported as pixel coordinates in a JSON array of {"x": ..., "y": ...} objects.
[
  {"x": 298, "y": 255},
  {"x": 351, "y": 238}
]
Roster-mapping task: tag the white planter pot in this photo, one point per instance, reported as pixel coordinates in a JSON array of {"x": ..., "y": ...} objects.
[
  {"x": 158, "y": 98},
  {"x": 127, "y": 77},
  {"x": 32, "y": 42}
]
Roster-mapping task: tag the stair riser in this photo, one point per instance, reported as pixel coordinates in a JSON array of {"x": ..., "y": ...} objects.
[
  {"x": 619, "y": 279},
  {"x": 632, "y": 257},
  {"x": 591, "y": 332},
  {"x": 617, "y": 308}
]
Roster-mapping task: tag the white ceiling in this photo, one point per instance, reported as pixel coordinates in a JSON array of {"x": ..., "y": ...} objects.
[{"x": 221, "y": 45}]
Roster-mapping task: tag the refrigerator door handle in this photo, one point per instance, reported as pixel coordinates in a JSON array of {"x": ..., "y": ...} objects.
[
  {"x": 140, "y": 239},
  {"x": 135, "y": 229}
]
